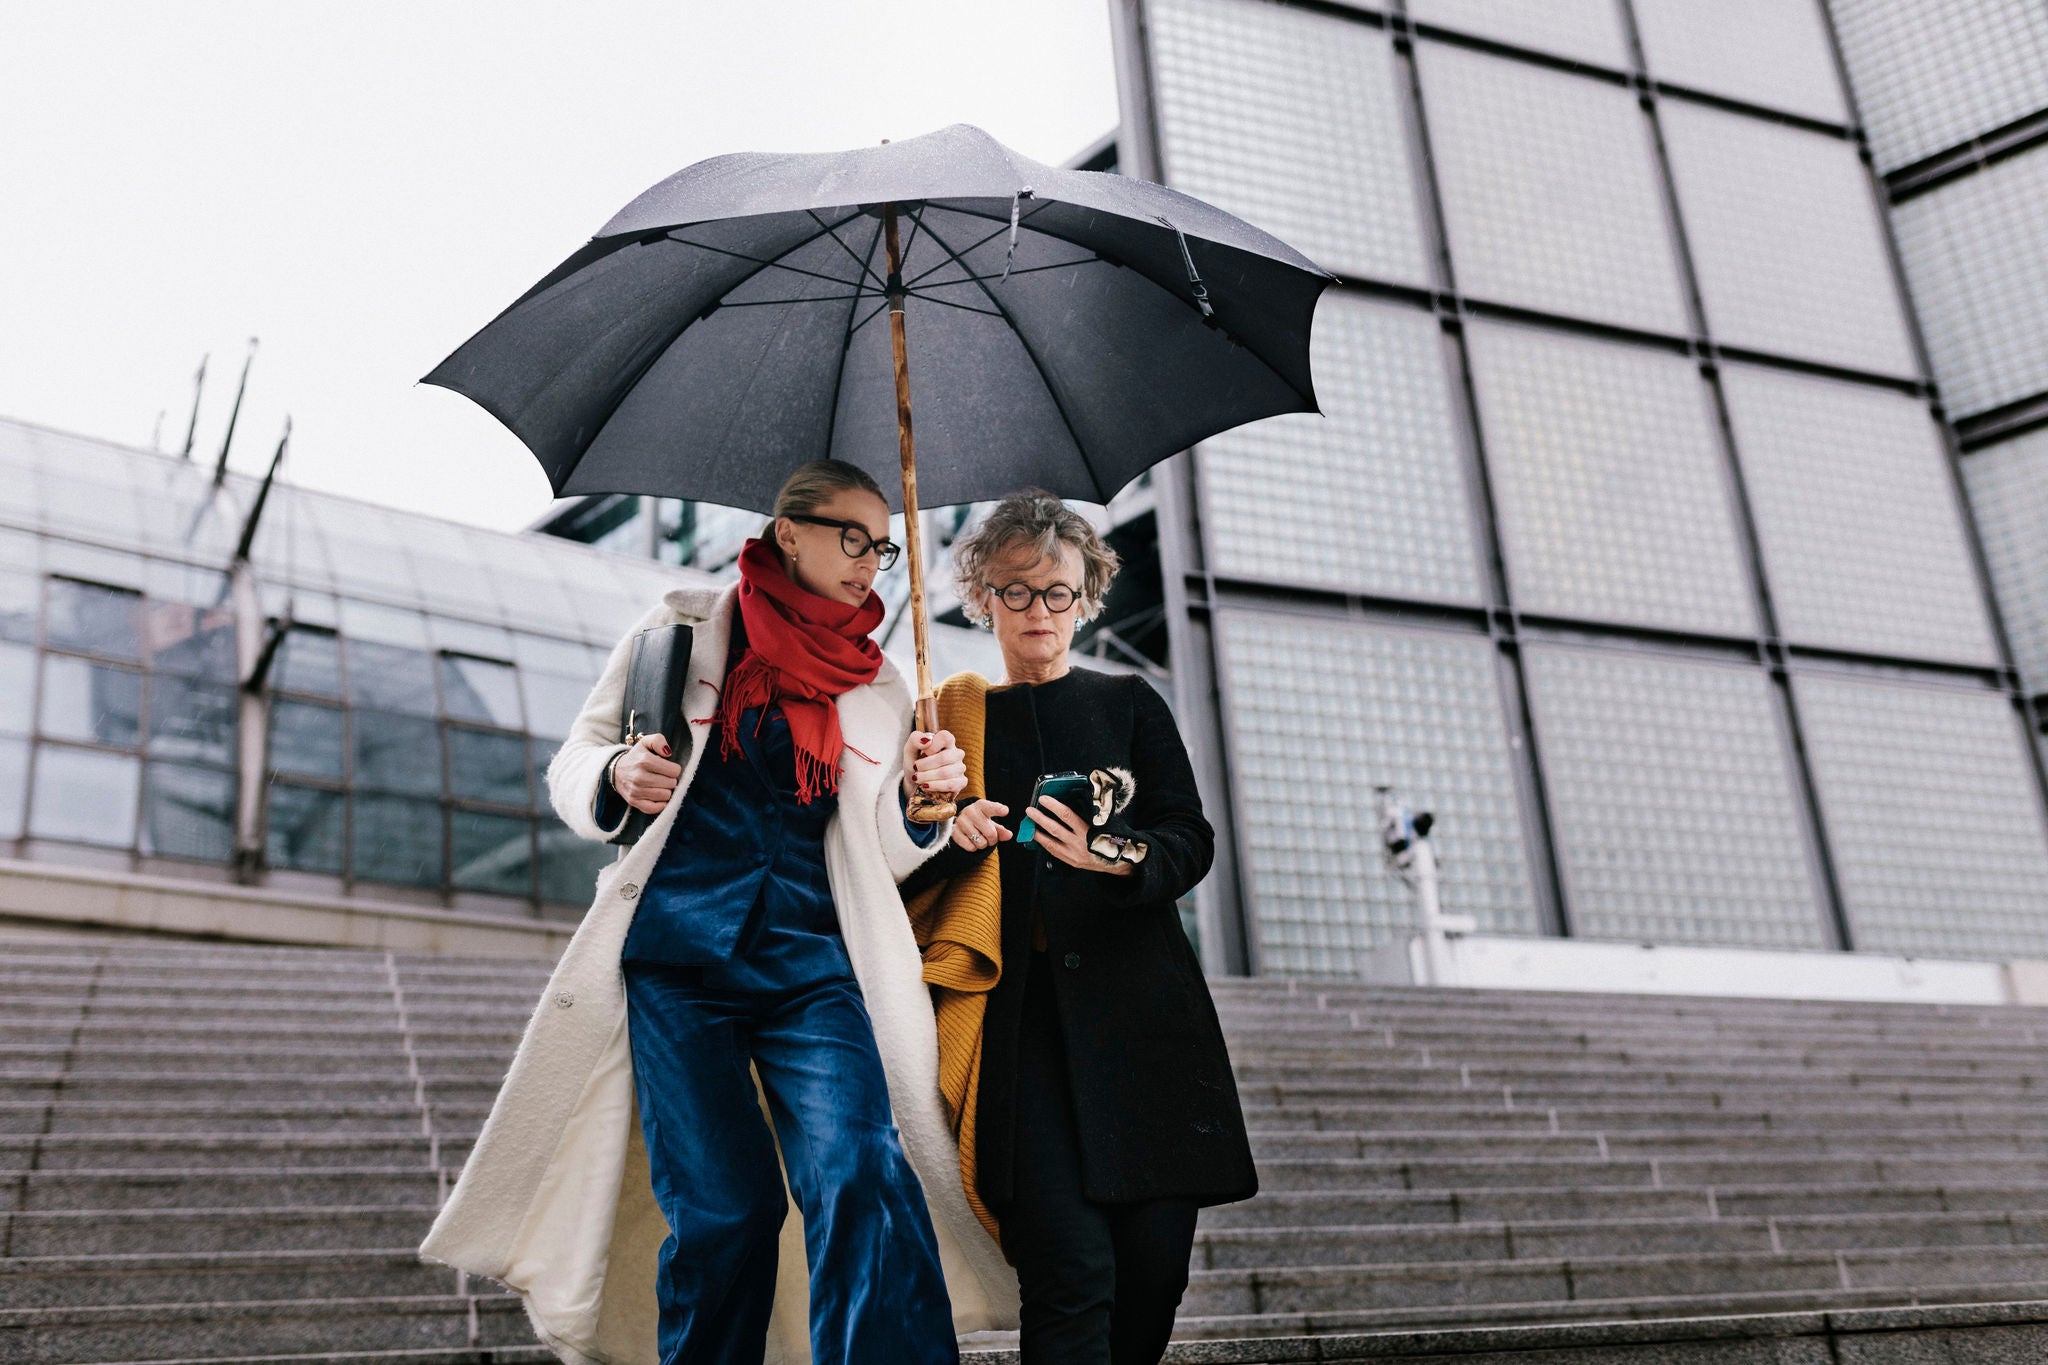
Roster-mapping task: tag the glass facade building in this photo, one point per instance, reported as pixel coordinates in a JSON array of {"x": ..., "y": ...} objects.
[
  {"x": 1677, "y": 525},
  {"x": 364, "y": 706}
]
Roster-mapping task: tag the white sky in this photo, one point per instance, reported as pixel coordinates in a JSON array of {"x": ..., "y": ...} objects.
[{"x": 364, "y": 183}]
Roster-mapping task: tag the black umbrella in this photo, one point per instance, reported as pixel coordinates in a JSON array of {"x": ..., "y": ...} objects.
[{"x": 1073, "y": 329}]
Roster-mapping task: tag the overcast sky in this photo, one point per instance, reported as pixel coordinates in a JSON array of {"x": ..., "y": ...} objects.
[{"x": 363, "y": 184}]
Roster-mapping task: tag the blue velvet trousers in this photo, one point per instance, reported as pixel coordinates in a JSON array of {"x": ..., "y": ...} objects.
[{"x": 877, "y": 1294}]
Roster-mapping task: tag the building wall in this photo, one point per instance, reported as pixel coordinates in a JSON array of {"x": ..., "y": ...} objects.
[
  {"x": 1632, "y": 541},
  {"x": 394, "y": 744}
]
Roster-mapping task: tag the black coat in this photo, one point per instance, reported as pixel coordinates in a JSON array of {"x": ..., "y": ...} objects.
[{"x": 1153, "y": 1092}]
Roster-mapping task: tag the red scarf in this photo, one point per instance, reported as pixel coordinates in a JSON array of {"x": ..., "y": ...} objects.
[{"x": 803, "y": 650}]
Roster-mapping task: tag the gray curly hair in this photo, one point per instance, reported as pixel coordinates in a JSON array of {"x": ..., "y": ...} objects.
[{"x": 1033, "y": 520}]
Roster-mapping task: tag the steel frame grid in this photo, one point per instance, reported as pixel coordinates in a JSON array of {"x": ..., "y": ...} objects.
[{"x": 1194, "y": 591}]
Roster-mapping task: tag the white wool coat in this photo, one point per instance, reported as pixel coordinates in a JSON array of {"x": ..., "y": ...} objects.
[{"x": 555, "y": 1201}]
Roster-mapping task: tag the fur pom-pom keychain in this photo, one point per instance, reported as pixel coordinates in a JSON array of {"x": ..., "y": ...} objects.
[{"x": 1113, "y": 789}]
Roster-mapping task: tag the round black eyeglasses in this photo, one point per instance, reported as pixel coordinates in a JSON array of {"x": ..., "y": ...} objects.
[
  {"x": 854, "y": 539},
  {"x": 1018, "y": 597}
]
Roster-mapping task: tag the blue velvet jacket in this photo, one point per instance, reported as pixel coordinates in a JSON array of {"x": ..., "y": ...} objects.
[{"x": 741, "y": 880}]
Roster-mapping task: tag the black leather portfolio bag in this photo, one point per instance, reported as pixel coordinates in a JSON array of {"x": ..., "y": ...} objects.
[{"x": 655, "y": 672}]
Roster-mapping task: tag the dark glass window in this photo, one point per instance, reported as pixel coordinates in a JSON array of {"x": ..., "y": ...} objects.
[
  {"x": 309, "y": 661},
  {"x": 544, "y": 751},
  {"x": 390, "y": 677},
  {"x": 17, "y": 689},
  {"x": 306, "y": 738},
  {"x": 189, "y": 813},
  {"x": 569, "y": 866},
  {"x": 305, "y": 828},
  {"x": 491, "y": 852},
  {"x": 87, "y": 796},
  {"x": 192, "y": 720},
  {"x": 397, "y": 753},
  {"x": 13, "y": 786},
  {"x": 395, "y": 839},
  {"x": 21, "y": 597},
  {"x": 487, "y": 767},
  {"x": 480, "y": 689},
  {"x": 97, "y": 703},
  {"x": 186, "y": 639},
  {"x": 94, "y": 618}
]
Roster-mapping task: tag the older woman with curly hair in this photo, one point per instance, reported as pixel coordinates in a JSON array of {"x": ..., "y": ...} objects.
[{"x": 1080, "y": 1055}]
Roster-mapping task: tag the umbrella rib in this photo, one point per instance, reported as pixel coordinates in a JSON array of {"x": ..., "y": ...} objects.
[
  {"x": 1031, "y": 354},
  {"x": 846, "y": 344},
  {"x": 973, "y": 247},
  {"x": 963, "y": 307},
  {"x": 768, "y": 264},
  {"x": 1027, "y": 270},
  {"x": 832, "y": 231},
  {"x": 810, "y": 298}
]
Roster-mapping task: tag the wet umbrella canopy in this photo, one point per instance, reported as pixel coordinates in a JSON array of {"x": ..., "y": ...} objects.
[
  {"x": 729, "y": 325},
  {"x": 1063, "y": 329}
]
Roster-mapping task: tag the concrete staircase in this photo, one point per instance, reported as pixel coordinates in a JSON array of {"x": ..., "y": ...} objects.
[{"x": 215, "y": 1153}]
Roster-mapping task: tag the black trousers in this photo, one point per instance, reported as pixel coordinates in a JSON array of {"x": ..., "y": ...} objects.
[{"x": 1100, "y": 1282}]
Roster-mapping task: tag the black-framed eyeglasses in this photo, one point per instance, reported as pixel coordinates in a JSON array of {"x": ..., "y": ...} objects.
[
  {"x": 855, "y": 540},
  {"x": 1019, "y": 597}
]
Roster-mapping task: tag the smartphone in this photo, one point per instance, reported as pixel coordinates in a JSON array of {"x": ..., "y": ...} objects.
[{"x": 1074, "y": 790}]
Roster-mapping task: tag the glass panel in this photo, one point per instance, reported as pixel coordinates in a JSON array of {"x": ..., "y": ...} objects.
[
  {"x": 397, "y": 753},
  {"x": 185, "y": 639},
  {"x": 393, "y": 678},
  {"x": 549, "y": 654},
  {"x": 1858, "y": 517},
  {"x": 94, "y": 564},
  {"x": 1933, "y": 814},
  {"x": 544, "y": 751},
  {"x": 96, "y": 619},
  {"x": 309, "y": 661},
  {"x": 1369, "y": 496},
  {"x": 1320, "y": 704},
  {"x": 306, "y": 738},
  {"x": 1929, "y": 77},
  {"x": 21, "y": 596},
  {"x": 190, "y": 813},
  {"x": 1672, "y": 795},
  {"x": 479, "y": 689},
  {"x": 469, "y": 637},
  {"x": 305, "y": 829},
  {"x": 569, "y": 865},
  {"x": 362, "y": 620},
  {"x": 396, "y": 839},
  {"x": 1785, "y": 240},
  {"x": 169, "y": 581},
  {"x": 1294, "y": 121},
  {"x": 1551, "y": 195},
  {"x": 13, "y": 786},
  {"x": 1611, "y": 492},
  {"x": 487, "y": 767},
  {"x": 1977, "y": 263},
  {"x": 552, "y": 703},
  {"x": 194, "y": 721},
  {"x": 97, "y": 703},
  {"x": 2009, "y": 489},
  {"x": 1589, "y": 30},
  {"x": 1776, "y": 53},
  {"x": 86, "y": 796},
  {"x": 492, "y": 852},
  {"x": 17, "y": 688}
]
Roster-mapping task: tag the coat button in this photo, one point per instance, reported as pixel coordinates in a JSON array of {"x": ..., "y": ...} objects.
[
  {"x": 1072, "y": 960},
  {"x": 564, "y": 1000},
  {"x": 629, "y": 890}
]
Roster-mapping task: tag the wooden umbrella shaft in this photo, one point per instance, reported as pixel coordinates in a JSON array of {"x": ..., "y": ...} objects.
[{"x": 922, "y": 809}]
